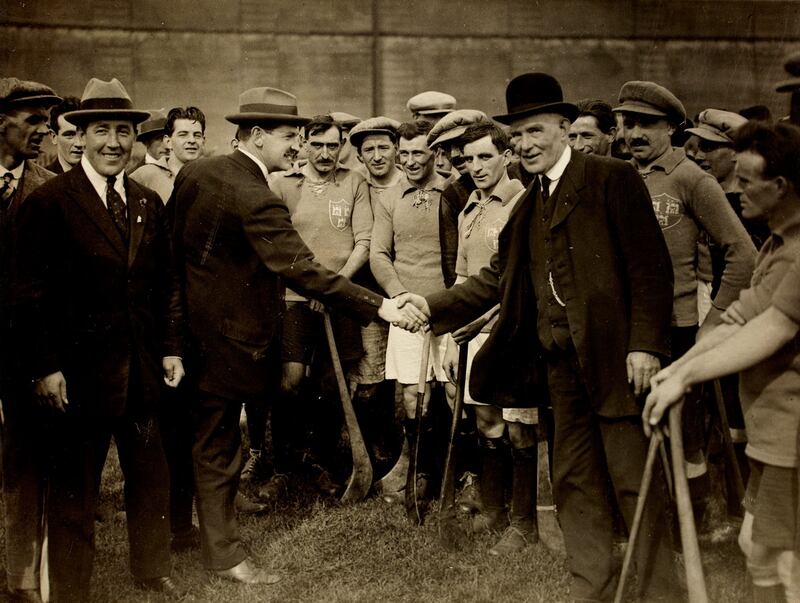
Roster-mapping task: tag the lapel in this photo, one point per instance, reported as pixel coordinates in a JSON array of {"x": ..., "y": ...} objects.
[
  {"x": 137, "y": 217},
  {"x": 86, "y": 198},
  {"x": 248, "y": 164},
  {"x": 572, "y": 182}
]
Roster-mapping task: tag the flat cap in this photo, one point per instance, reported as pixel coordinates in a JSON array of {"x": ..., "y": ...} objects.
[
  {"x": 344, "y": 119},
  {"x": 717, "y": 125},
  {"x": 14, "y": 91},
  {"x": 431, "y": 102},
  {"x": 155, "y": 124},
  {"x": 650, "y": 98},
  {"x": 373, "y": 125},
  {"x": 454, "y": 124}
]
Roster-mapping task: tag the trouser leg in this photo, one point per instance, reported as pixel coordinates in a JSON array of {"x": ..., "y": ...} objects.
[
  {"x": 217, "y": 458},
  {"x": 144, "y": 466},
  {"x": 176, "y": 438}
]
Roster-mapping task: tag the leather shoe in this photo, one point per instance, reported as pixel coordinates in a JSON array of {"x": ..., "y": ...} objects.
[
  {"x": 245, "y": 506},
  {"x": 165, "y": 586},
  {"x": 25, "y": 595},
  {"x": 247, "y": 573}
]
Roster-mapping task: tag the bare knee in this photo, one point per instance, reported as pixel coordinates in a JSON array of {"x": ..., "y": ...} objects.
[
  {"x": 522, "y": 435},
  {"x": 489, "y": 420},
  {"x": 292, "y": 374}
]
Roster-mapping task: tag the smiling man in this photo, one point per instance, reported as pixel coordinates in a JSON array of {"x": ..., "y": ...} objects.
[
  {"x": 184, "y": 138},
  {"x": 595, "y": 128},
  {"x": 69, "y": 145},
  {"x": 237, "y": 250},
  {"x": 583, "y": 282},
  {"x": 98, "y": 304}
]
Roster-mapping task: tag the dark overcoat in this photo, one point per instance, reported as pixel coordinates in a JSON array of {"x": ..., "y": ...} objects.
[
  {"x": 611, "y": 264},
  {"x": 102, "y": 312},
  {"x": 236, "y": 246}
]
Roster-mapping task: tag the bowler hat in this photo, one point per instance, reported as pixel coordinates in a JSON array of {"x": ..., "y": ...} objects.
[
  {"x": 18, "y": 92},
  {"x": 156, "y": 123},
  {"x": 107, "y": 100},
  {"x": 267, "y": 104},
  {"x": 532, "y": 93},
  {"x": 717, "y": 125},
  {"x": 373, "y": 126}
]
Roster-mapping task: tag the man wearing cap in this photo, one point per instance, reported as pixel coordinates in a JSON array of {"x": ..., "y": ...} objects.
[
  {"x": 688, "y": 204},
  {"x": 236, "y": 248},
  {"x": 184, "y": 136},
  {"x": 405, "y": 257},
  {"x": 69, "y": 145},
  {"x": 430, "y": 106},
  {"x": 151, "y": 135},
  {"x": 99, "y": 308},
  {"x": 594, "y": 129},
  {"x": 584, "y": 308},
  {"x": 24, "y": 109}
]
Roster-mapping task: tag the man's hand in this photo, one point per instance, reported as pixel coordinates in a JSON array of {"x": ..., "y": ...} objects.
[
  {"x": 664, "y": 394},
  {"x": 316, "y": 306},
  {"x": 405, "y": 316},
  {"x": 733, "y": 315},
  {"x": 463, "y": 335},
  {"x": 450, "y": 361},
  {"x": 417, "y": 301},
  {"x": 173, "y": 370},
  {"x": 641, "y": 367},
  {"x": 52, "y": 391}
]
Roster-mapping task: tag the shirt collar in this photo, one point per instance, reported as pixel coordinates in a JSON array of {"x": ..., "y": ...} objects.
[
  {"x": 160, "y": 162},
  {"x": 16, "y": 172},
  {"x": 667, "y": 162},
  {"x": 257, "y": 161},
  {"x": 437, "y": 184},
  {"x": 554, "y": 173},
  {"x": 99, "y": 182},
  {"x": 505, "y": 190}
]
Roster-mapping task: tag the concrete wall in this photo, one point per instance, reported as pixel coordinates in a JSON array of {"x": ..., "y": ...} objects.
[{"x": 369, "y": 56}]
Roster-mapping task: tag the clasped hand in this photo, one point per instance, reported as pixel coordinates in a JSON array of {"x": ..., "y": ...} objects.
[{"x": 407, "y": 311}]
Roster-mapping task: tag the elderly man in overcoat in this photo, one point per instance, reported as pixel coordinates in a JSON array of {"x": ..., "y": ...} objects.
[
  {"x": 583, "y": 278},
  {"x": 98, "y": 307}
]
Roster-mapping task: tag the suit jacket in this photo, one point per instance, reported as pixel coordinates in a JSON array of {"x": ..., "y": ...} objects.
[
  {"x": 102, "y": 312},
  {"x": 613, "y": 268},
  {"x": 55, "y": 166},
  {"x": 33, "y": 176},
  {"x": 236, "y": 246}
]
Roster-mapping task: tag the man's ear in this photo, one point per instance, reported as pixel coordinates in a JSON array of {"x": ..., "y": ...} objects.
[
  {"x": 783, "y": 185},
  {"x": 168, "y": 141}
]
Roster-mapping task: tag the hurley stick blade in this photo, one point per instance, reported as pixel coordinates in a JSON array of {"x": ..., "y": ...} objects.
[{"x": 361, "y": 477}]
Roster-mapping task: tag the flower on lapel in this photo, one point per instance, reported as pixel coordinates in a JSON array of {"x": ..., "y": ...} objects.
[
  {"x": 143, "y": 202},
  {"x": 138, "y": 219}
]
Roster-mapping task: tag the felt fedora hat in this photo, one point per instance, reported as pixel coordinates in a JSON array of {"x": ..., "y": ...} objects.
[
  {"x": 105, "y": 100},
  {"x": 267, "y": 104},
  {"x": 154, "y": 125},
  {"x": 532, "y": 93}
]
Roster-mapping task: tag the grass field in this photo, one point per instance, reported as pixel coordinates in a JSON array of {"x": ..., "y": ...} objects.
[{"x": 365, "y": 553}]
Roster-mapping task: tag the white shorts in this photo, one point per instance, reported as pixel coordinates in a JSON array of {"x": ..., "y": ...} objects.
[
  {"x": 529, "y": 416},
  {"x": 404, "y": 355}
]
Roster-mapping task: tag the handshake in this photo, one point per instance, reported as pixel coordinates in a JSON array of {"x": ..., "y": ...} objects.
[{"x": 408, "y": 311}]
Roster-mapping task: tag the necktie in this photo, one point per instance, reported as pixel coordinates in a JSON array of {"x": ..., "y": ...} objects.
[
  {"x": 116, "y": 207},
  {"x": 545, "y": 188},
  {"x": 7, "y": 188}
]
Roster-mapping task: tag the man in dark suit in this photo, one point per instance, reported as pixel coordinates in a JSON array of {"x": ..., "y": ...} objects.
[
  {"x": 236, "y": 247},
  {"x": 69, "y": 145},
  {"x": 584, "y": 282},
  {"x": 24, "y": 107},
  {"x": 98, "y": 311}
]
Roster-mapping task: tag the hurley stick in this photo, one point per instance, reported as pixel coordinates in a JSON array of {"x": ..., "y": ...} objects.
[
  {"x": 361, "y": 477},
  {"x": 413, "y": 461}
]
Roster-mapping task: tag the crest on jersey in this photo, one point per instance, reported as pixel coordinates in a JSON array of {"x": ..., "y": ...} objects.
[
  {"x": 668, "y": 210},
  {"x": 492, "y": 235},
  {"x": 339, "y": 213}
]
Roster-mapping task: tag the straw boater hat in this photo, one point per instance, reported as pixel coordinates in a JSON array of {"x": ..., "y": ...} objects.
[
  {"x": 107, "y": 100},
  {"x": 532, "y": 93},
  {"x": 267, "y": 104}
]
